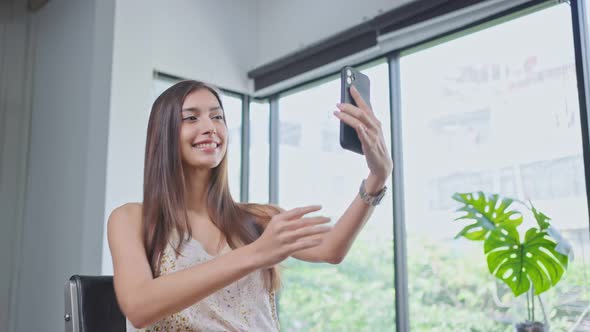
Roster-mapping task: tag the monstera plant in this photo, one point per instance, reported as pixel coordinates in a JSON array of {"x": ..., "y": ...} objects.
[{"x": 529, "y": 265}]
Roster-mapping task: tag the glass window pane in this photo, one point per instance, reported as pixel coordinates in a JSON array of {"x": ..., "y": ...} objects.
[
  {"x": 358, "y": 294},
  {"x": 233, "y": 115},
  {"x": 259, "y": 152},
  {"x": 497, "y": 111}
]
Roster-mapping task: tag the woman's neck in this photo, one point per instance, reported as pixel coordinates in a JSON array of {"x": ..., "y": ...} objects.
[{"x": 197, "y": 183}]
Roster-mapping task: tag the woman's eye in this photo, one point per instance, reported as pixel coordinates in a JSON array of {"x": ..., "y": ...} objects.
[
  {"x": 191, "y": 118},
  {"x": 218, "y": 117}
]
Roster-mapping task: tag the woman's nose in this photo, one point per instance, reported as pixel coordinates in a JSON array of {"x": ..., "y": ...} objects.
[
  {"x": 207, "y": 126},
  {"x": 210, "y": 132}
]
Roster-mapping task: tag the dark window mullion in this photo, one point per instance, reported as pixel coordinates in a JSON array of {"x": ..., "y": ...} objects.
[
  {"x": 273, "y": 183},
  {"x": 399, "y": 231},
  {"x": 245, "y": 164},
  {"x": 582, "y": 51}
]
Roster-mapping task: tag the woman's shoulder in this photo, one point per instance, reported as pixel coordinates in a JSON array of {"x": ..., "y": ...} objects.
[
  {"x": 124, "y": 234},
  {"x": 130, "y": 209},
  {"x": 126, "y": 217}
]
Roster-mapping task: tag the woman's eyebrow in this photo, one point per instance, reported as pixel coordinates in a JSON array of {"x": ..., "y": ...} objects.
[{"x": 198, "y": 110}]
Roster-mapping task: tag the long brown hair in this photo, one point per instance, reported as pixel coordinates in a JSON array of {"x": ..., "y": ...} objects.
[{"x": 164, "y": 203}]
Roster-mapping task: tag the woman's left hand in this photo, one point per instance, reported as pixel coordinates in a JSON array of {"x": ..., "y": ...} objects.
[{"x": 369, "y": 130}]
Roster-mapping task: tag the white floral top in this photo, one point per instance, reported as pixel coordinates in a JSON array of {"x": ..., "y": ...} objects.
[{"x": 245, "y": 305}]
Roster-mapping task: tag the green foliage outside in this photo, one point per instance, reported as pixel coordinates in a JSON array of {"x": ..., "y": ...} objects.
[
  {"x": 356, "y": 295},
  {"x": 450, "y": 289}
]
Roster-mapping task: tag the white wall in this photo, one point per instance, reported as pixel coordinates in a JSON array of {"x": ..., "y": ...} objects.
[
  {"x": 214, "y": 41},
  {"x": 287, "y": 26},
  {"x": 65, "y": 190},
  {"x": 129, "y": 109}
]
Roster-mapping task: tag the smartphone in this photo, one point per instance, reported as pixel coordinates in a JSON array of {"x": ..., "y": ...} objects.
[{"x": 349, "y": 76}]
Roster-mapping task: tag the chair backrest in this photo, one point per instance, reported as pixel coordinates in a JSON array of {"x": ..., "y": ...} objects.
[{"x": 91, "y": 305}]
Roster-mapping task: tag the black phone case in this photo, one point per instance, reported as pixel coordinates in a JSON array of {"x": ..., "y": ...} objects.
[{"x": 349, "y": 139}]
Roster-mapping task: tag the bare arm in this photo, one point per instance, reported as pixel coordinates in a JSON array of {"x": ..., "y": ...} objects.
[
  {"x": 145, "y": 300},
  {"x": 336, "y": 243}
]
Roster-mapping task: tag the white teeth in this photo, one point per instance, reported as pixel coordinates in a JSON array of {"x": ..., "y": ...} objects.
[{"x": 206, "y": 146}]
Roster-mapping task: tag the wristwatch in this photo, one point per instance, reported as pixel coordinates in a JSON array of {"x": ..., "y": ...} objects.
[{"x": 372, "y": 200}]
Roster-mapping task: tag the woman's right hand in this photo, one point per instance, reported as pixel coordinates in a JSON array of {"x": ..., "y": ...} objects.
[{"x": 288, "y": 232}]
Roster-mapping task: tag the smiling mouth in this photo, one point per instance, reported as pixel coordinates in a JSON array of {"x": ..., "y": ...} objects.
[{"x": 206, "y": 146}]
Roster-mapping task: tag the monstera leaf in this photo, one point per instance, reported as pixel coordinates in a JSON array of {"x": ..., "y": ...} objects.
[
  {"x": 520, "y": 264},
  {"x": 487, "y": 213}
]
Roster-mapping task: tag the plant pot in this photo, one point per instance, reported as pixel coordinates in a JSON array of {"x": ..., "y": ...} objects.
[{"x": 530, "y": 327}]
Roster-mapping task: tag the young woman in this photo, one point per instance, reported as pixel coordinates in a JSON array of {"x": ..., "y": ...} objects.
[{"x": 190, "y": 258}]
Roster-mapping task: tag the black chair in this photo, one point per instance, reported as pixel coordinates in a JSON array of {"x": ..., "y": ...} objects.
[{"x": 91, "y": 305}]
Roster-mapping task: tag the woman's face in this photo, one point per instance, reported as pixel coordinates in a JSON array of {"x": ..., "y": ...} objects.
[{"x": 203, "y": 131}]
